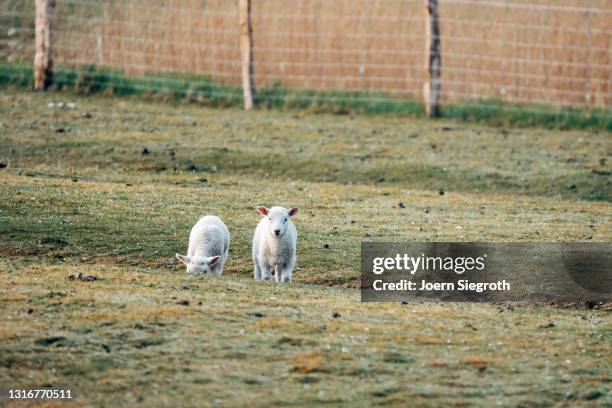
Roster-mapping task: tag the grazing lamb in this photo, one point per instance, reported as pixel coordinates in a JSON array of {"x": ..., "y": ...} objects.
[
  {"x": 274, "y": 244},
  {"x": 208, "y": 247}
]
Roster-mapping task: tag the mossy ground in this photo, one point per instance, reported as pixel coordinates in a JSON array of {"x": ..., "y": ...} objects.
[{"x": 79, "y": 195}]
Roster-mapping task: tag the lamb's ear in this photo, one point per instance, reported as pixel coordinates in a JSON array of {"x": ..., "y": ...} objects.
[
  {"x": 183, "y": 259},
  {"x": 213, "y": 260},
  {"x": 293, "y": 211},
  {"x": 262, "y": 210}
]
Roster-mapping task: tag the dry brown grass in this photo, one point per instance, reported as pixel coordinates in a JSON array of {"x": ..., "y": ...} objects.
[{"x": 212, "y": 353}]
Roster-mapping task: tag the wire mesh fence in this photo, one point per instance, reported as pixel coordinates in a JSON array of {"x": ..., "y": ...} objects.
[{"x": 538, "y": 55}]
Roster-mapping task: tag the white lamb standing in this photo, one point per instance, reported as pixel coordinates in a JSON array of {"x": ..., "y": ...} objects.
[
  {"x": 274, "y": 244},
  {"x": 208, "y": 247}
]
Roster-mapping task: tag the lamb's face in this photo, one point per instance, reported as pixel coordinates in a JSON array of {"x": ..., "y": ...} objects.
[
  {"x": 278, "y": 219},
  {"x": 199, "y": 265}
]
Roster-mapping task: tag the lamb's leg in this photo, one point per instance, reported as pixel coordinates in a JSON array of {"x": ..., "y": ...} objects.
[
  {"x": 257, "y": 270},
  {"x": 286, "y": 275},
  {"x": 266, "y": 271},
  {"x": 225, "y": 255},
  {"x": 278, "y": 271},
  {"x": 217, "y": 269},
  {"x": 287, "y": 271}
]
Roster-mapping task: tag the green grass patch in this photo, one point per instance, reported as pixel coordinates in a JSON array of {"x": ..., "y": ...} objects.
[
  {"x": 206, "y": 91},
  {"x": 497, "y": 113}
]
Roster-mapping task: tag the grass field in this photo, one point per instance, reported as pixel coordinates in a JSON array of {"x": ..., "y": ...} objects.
[{"x": 112, "y": 187}]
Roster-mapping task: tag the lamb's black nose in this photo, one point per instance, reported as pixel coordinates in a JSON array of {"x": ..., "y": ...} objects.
[{"x": 277, "y": 232}]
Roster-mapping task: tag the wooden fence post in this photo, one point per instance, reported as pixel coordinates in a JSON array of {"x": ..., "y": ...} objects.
[
  {"x": 43, "y": 60},
  {"x": 433, "y": 60},
  {"x": 246, "y": 55}
]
